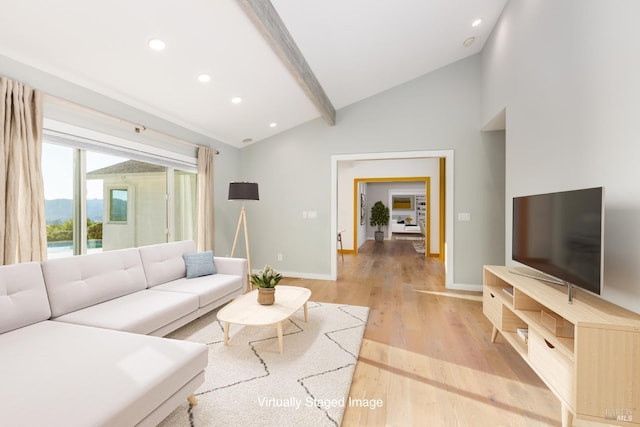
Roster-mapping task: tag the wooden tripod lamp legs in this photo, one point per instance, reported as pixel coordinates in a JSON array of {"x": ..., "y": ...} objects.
[{"x": 242, "y": 220}]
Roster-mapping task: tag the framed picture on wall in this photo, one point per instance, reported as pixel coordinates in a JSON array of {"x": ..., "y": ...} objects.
[
  {"x": 363, "y": 205},
  {"x": 402, "y": 202}
]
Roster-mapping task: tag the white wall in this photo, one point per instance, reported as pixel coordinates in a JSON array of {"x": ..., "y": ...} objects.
[
  {"x": 567, "y": 73},
  {"x": 151, "y": 208},
  {"x": 438, "y": 111}
]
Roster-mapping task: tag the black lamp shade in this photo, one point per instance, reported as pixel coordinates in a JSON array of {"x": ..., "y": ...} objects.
[{"x": 243, "y": 191}]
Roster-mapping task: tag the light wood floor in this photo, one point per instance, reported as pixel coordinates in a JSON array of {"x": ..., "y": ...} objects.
[{"x": 426, "y": 351}]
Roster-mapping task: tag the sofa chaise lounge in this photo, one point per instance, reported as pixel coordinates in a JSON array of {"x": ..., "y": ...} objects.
[{"x": 81, "y": 337}]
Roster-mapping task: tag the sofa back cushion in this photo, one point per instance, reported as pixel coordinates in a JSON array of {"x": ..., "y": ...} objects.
[
  {"x": 23, "y": 297},
  {"x": 77, "y": 282},
  {"x": 164, "y": 262}
]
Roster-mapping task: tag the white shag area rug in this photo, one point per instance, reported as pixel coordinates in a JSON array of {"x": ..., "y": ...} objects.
[{"x": 249, "y": 383}]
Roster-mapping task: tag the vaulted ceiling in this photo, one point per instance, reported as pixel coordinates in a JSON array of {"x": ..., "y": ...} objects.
[{"x": 353, "y": 48}]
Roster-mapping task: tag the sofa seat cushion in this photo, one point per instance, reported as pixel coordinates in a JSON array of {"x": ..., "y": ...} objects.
[
  {"x": 58, "y": 374},
  {"x": 141, "y": 312},
  {"x": 207, "y": 288}
]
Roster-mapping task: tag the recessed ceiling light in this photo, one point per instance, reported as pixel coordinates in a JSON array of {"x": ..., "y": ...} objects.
[
  {"x": 236, "y": 100},
  {"x": 156, "y": 44},
  {"x": 274, "y": 124},
  {"x": 476, "y": 22},
  {"x": 468, "y": 42},
  {"x": 203, "y": 78}
]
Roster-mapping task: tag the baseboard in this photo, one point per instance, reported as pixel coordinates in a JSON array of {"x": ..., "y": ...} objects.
[
  {"x": 297, "y": 275},
  {"x": 311, "y": 276},
  {"x": 465, "y": 287}
]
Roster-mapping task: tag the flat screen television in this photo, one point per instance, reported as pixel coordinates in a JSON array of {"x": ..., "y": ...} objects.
[{"x": 561, "y": 234}]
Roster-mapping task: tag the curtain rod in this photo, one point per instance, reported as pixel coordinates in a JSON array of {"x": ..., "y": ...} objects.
[{"x": 137, "y": 128}]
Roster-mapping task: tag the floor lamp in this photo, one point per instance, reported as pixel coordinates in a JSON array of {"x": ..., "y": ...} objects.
[{"x": 243, "y": 191}]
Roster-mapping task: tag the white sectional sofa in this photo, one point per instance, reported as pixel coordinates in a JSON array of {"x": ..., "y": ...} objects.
[{"x": 77, "y": 344}]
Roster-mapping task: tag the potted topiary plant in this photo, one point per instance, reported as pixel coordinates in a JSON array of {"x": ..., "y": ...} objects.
[
  {"x": 379, "y": 217},
  {"x": 266, "y": 281}
]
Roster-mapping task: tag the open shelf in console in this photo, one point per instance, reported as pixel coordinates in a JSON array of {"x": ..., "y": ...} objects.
[
  {"x": 532, "y": 312},
  {"x": 522, "y": 301},
  {"x": 516, "y": 342},
  {"x": 565, "y": 345},
  {"x": 499, "y": 289}
]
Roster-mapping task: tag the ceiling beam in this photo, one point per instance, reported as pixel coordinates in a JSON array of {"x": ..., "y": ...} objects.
[{"x": 266, "y": 19}]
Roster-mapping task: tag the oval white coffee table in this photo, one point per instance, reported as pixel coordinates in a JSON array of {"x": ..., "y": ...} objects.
[{"x": 245, "y": 310}]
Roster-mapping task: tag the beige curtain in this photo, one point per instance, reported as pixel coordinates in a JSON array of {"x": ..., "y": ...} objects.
[
  {"x": 22, "y": 218},
  {"x": 206, "y": 225}
]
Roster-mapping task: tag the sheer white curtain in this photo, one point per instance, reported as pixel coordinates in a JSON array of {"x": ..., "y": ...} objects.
[
  {"x": 206, "y": 224},
  {"x": 22, "y": 218},
  {"x": 185, "y": 205}
]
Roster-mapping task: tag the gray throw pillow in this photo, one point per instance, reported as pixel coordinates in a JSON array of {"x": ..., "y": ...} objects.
[{"x": 199, "y": 264}]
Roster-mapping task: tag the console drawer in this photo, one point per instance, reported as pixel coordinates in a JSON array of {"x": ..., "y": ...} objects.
[
  {"x": 552, "y": 366},
  {"x": 492, "y": 307}
]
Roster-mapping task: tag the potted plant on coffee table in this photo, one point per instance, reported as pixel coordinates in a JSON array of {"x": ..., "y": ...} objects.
[
  {"x": 379, "y": 217},
  {"x": 266, "y": 282}
]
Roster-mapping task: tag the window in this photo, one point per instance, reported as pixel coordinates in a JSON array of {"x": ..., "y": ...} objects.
[
  {"x": 58, "y": 176},
  {"x": 118, "y": 204},
  {"x": 97, "y": 201}
]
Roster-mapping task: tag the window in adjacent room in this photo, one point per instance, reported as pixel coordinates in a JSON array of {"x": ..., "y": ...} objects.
[{"x": 118, "y": 199}]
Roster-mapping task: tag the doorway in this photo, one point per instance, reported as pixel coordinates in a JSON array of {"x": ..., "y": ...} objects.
[
  {"x": 447, "y": 162},
  {"x": 417, "y": 193}
]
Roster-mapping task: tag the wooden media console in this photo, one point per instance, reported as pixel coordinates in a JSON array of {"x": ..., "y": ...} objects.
[{"x": 587, "y": 353}]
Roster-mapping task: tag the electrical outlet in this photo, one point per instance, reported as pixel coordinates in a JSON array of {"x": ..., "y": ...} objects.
[{"x": 279, "y": 256}]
